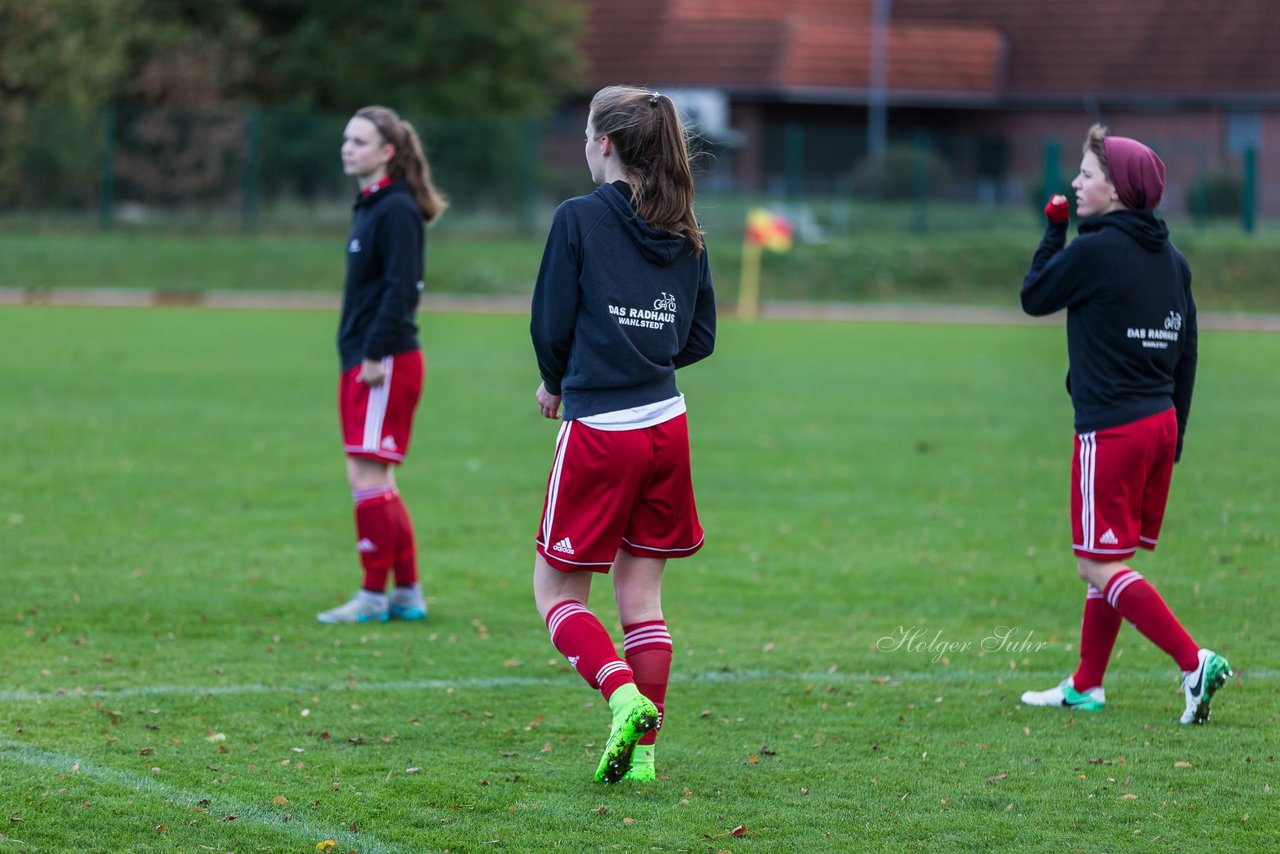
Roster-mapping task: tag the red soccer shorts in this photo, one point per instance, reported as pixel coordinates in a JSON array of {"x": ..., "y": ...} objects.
[
  {"x": 378, "y": 420},
  {"x": 1120, "y": 485},
  {"x": 619, "y": 489}
]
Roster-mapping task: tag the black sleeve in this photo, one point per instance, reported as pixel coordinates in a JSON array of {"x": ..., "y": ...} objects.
[
  {"x": 399, "y": 245},
  {"x": 555, "y": 302},
  {"x": 702, "y": 333},
  {"x": 1184, "y": 373},
  {"x": 1055, "y": 280}
]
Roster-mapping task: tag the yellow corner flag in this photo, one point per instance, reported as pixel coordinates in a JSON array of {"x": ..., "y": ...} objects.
[
  {"x": 765, "y": 230},
  {"x": 769, "y": 230}
]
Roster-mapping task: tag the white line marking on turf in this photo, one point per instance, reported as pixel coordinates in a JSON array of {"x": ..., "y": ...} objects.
[
  {"x": 501, "y": 682},
  {"x": 73, "y": 766}
]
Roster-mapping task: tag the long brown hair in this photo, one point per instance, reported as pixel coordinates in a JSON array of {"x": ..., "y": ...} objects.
[
  {"x": 409, "y": 163},
  {"x": 646, "y": 132}
]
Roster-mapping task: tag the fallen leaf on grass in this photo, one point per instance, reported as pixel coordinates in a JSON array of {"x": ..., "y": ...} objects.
[
  {"x": 628, "y": 820},
  {"x": 1128, "y": 796},
  {"x": 739, "y": 830},
  {"x": 1183, "y": 765},
  {"x": 279, "y": 799},
  {"x": 326, "y": 846},
  {"x": 999, "y": 776}
]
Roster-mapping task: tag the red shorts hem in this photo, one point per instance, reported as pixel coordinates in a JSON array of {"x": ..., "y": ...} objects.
[
  {"x": 564, "y": 564},
  {"x": 644, "y": 551},
  {"x": 382, "y": 456},
  {"x": 1110, "y": 557}
]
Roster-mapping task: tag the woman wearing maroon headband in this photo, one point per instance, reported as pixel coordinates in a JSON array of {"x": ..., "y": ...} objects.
[{"x": 1131, "y": 345}]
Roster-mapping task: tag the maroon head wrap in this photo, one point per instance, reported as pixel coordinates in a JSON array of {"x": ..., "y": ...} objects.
[{"x": 1137, "y": 172}]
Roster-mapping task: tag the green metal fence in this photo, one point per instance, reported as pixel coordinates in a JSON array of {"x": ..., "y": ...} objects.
[{"x": 129, "y": 167}]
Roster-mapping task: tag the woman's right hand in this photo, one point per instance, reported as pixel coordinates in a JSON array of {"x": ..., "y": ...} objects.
[{"x": 548, "y": 403}]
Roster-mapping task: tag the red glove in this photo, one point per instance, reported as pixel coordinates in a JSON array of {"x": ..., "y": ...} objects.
[{"x": 1057, "y": 210}]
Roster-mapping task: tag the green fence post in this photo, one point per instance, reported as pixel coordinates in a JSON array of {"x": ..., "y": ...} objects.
[
  {"x": 107, "y": 170},
  {"x": 529, "y": 176},
  {"x": 920, "y": 184},
  {"x": 794, "y": 160},
  {"x": 252, "y": 168},
  {"x": 1200, "y": 190},
  {"x": 1249, "y": 196},
  {"x": 1052, "y": 179}
]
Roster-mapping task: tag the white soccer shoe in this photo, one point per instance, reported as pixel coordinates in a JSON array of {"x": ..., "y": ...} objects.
[
  {"x": 1200, "y": 685},
  {"x": 364, "y": 607},
  {"x": 1066, "y": 696}
]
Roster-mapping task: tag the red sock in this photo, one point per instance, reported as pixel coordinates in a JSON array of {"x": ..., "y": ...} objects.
[
  {"x": 647, "y": 646},
  {"x": 376, "y": 535},
  {"x": 582, "y": 639},
  {"x": 1098, "y": 632},
  {"x": 405, "y": 565},
  {"x": 1139, "y": 603}
]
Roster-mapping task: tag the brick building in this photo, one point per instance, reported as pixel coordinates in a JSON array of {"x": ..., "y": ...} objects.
[{"x": 791, "y": 88}]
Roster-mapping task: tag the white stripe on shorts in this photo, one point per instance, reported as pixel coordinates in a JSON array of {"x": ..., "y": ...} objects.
[
  {"x": 1088, "y": 457},
  {"x": 553, "y": 483},
  {"x": 376, "y": 409}
]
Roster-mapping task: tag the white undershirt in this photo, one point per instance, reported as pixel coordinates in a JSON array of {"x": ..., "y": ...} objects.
[{"x": 637, "y": 417}]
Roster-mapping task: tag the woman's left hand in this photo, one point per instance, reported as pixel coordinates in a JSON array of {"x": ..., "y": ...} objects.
[
  {"x": 372, "y": 373},
  {"x": 548, "y": 403}
]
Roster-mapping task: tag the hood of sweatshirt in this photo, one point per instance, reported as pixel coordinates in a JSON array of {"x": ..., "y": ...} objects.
[
  {"x": 1150, "y": 233},
  {"x": 660, "y": 247}
]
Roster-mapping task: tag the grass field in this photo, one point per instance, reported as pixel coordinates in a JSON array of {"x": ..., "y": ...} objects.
[
  {"x": 173, "y": 512},
  {"x": 868, "y": 261}
]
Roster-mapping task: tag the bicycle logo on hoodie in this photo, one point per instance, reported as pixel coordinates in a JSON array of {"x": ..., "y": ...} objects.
[{"x": 667, "y": 302}]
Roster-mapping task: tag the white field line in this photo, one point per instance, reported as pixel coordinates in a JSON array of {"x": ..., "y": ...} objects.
[
  {"x": 505, "y": 682},
  {"x": 73, "y": 766}
]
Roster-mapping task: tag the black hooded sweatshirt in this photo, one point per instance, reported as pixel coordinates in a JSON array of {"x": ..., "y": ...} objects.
[
  {"x": 384, "y": 276},
  {"x": 617, "y": 306},
  {"x": 1131, "y": 320}
]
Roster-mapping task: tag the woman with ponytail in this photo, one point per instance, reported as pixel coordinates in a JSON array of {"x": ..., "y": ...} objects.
[
  {"x": 381, "y": 361},
  {"x": 623, "y": 298}
]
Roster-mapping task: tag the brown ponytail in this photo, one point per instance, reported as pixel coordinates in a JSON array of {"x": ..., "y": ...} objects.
[
  {"x": 409, "y": 163},
  {"x": 646, "y": 132}
]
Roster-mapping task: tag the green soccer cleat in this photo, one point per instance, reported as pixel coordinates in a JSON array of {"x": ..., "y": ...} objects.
[
  {"x": 1200, "y": 685},
  {"x": 633, "y": 715},
  {"x": 642, "y": 769},
  {"x": 1065, "y": 696}
]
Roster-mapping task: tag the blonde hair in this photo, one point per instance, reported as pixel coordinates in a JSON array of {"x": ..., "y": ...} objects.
[
  {"x": 409, "y": 163},
  {"x": 646, "y": 132}
]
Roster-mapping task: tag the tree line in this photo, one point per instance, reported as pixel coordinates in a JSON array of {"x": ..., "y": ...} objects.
[{"x": 449, "y": 57}]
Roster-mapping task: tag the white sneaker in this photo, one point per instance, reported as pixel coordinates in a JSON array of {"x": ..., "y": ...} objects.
[
  {"x": 1200, "y": 684},
  {"x": 364, "y": 607},
  {"x": 1066, "y": 696},
  {"x": 407, "y": 604}
]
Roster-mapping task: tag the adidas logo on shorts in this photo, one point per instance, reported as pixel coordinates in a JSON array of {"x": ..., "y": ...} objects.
[
  {"x": 365, "y": 546},
  {"x": 563, "y": 546},
  {"x": 1109, "y": 538}
]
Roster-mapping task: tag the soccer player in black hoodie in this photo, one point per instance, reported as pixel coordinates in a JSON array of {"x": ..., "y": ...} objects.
[
  {"x": 381, "y": 360},
  {"x": 623, "y": 299},
  {"x": 1131, "y": 345}
]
